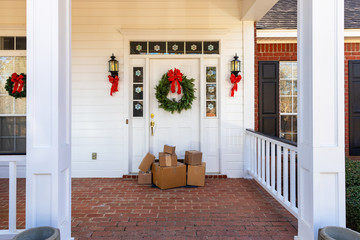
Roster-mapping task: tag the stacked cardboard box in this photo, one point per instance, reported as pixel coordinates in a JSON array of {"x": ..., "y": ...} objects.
[
  {"x": 195, "y": 168},
  {"x": 169, "y": 173},
  {"x": 145, "y": 176}
]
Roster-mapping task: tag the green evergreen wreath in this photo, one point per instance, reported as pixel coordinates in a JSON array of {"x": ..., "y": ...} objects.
[
  {"x": 163, "y": 88},
  {"x": 9, "y": 87}
]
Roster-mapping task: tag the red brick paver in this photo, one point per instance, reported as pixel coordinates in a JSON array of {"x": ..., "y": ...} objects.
[{"x": 109, "y": 208}]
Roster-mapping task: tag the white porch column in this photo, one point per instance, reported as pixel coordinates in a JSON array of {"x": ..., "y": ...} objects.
[
  {"x": 48, "y": 160},
  {"x": 321, "y": 115}
]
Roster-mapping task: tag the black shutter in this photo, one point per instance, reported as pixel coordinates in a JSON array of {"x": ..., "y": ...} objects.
[
  {"x": 354, "y": 107},
  {"x": 269, "y": 97}
]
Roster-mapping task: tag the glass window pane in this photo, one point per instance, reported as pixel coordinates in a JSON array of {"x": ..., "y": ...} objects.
[
  {"x": 294, "y": 124},
  {"x": 285, "y": 124},
  {"x": 285, "y": 70},
  {"x": 285, "y": 104},
  {"x": 211, "y": 47},
  {"x": 211, "y": 108},
  {"x": 20, "y": 43},
  {"x": 193, "y": 47},
  {"x": 7, "y": 43},
  {"x": 138, "y": 91},
  {"x": 6, "y": 105},
  {"x": 294, "y": 87},
  {"x": 20, "y": 126},
  {"x": 7, "y": 126},
  {"x": 294, "y": 68},
  {"x": 211, "y": 74},
  {"x": 295, "y": 105},
  {"x": 138, "y": 74},
  {"x": 175, "y": 47},
  {"x": 6, "y": 145},
  {"x": 157, "y": 47},
  {"x": 7, "y": 66},
  {"x": 2, "y": 84},
  {"x": 138, "y": 109},
  {"x": 20, "y": 65},
  {"x": 20, "y": 145},
  {"x": 20, "y": 106},
  {"x": 285, "y": 87},
  {"x": 138, "y": 47},
  {"x": 210, "y": 91}
]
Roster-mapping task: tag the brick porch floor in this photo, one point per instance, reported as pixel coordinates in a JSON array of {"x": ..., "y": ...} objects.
[{"x": 108, "y": 208}]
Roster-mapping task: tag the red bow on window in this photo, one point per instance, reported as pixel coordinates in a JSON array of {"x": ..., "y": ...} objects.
[
  {"x": 175, "y": 77},
  {"x": 18, "y": 82},
  {"x": 235, "y": 81},
  {"x": 115, "y": 82}
]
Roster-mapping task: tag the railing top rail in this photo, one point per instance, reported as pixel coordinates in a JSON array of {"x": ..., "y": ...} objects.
[
  {"x": 12, "y": 158},
  {"x": 283, "y": 142}
]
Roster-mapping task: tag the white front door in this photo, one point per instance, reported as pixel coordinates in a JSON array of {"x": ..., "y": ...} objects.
[{"x": 178, "y": 129}]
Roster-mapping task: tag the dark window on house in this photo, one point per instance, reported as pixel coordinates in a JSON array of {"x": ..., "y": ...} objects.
[
  {"x": 354, "y": 108},
  {"x": 7, "y": 43},
  {"x": 20, "y": 43},
  {"x": 278, "y": 99},
  {"x": 12, "y": 111}
]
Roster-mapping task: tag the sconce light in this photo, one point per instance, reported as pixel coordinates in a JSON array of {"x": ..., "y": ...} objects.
[
  {"x": 235, "y": 65},
  {"x": 113, "y": 66}
]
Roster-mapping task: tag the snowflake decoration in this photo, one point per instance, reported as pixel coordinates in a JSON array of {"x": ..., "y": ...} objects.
[
  {"x": 138, "y": 90},
  {"x": 138, "y": 106},
  {"x": 210, "y": 73},
  {"x": 138, "y": 47},
  {"x": 175, "y": 47},
  {"x": 157, "y": 48},
  {"x": 138, "y": 73},
  {"x": 211, "y": 47},
  {"x": 211, "y": 89},
  {"x": 211, "y": 106},
  {"x": 193, "y": 47}
]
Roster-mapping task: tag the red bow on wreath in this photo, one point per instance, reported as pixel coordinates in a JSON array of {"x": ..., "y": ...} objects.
[
  {"x": 235, "y": 81},
  {"x": 114, "y": 81},
  {"x": 18, "y": 82},
  {"x": 175, "y": 77}
]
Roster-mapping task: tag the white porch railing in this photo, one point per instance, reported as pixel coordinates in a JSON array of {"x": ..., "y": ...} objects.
[
  {"x": 273, "y": 164},
  {"x": 11, "y": 231}
]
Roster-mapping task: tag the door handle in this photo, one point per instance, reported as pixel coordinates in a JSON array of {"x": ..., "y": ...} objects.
[{"x": 152, "y": 125}]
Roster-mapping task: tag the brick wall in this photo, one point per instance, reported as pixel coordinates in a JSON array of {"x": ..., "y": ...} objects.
[{"x": 288, "y": 52}]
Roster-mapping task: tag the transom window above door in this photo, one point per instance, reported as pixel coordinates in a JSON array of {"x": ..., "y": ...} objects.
[{"x": 174, "y": 47}]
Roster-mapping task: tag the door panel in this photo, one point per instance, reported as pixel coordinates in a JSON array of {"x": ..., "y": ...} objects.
[
  {"x": 354, "y": 107},
  {"x": 269, "y": 97},
  {"x": 181, "y": 130}
]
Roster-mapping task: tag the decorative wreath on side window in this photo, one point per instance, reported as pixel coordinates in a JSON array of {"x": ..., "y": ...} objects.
[
  {"x": 16, "y": 85},
  {"x": 168, "y": 82}
]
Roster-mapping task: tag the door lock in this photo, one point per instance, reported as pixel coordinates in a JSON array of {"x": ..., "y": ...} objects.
[{"x": 152, "y": 125}]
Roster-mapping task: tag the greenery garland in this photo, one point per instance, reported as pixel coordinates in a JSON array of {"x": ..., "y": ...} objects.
[
  {"x": 9, "y": 87},
  {"x": 170, "y": 105}
]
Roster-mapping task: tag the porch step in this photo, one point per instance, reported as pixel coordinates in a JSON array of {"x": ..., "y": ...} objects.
[{"x": 210, "y": 176}]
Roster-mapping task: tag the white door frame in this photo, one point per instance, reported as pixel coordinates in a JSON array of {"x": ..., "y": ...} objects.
[{"x": 147, "y": 57}]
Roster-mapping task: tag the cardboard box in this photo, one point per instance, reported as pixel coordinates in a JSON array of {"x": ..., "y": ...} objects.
[
  {"x": 167, "y": 160},
  {"x": 193, "y": 157},
  {"x": 169, "y": 149},
  {"x": 196, "y": 175},
  {"x": 169, "y": 177},
  {"x": 146, "y": 162},
  {"x": 144, "y": 178}
]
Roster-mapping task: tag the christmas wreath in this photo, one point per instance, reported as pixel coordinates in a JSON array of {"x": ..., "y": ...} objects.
[
  {"x": 16, "y": 85},
  {"x": 168, "y": 82}
]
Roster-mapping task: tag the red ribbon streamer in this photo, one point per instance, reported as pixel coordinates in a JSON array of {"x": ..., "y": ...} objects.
[
  {"x": 175, "y": 77},
  {"x": 18, "y": 82},
  {"x": 235, "y": 81},
  {"x": 115, "y": 82}
]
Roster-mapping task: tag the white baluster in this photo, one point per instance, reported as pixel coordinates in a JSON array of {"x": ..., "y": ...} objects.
[
  {"x": 267, "y": 164},
  {"x": 278, "y": 170},
  {"x": 259, "y": 158},
  {"x": 272, "y": 167},
  {"x": 12, "y": 196},
  {"x": 292, "y": 179},
  {"x": 286, "y": 176},
  {"x": 263, "y": 161}
]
